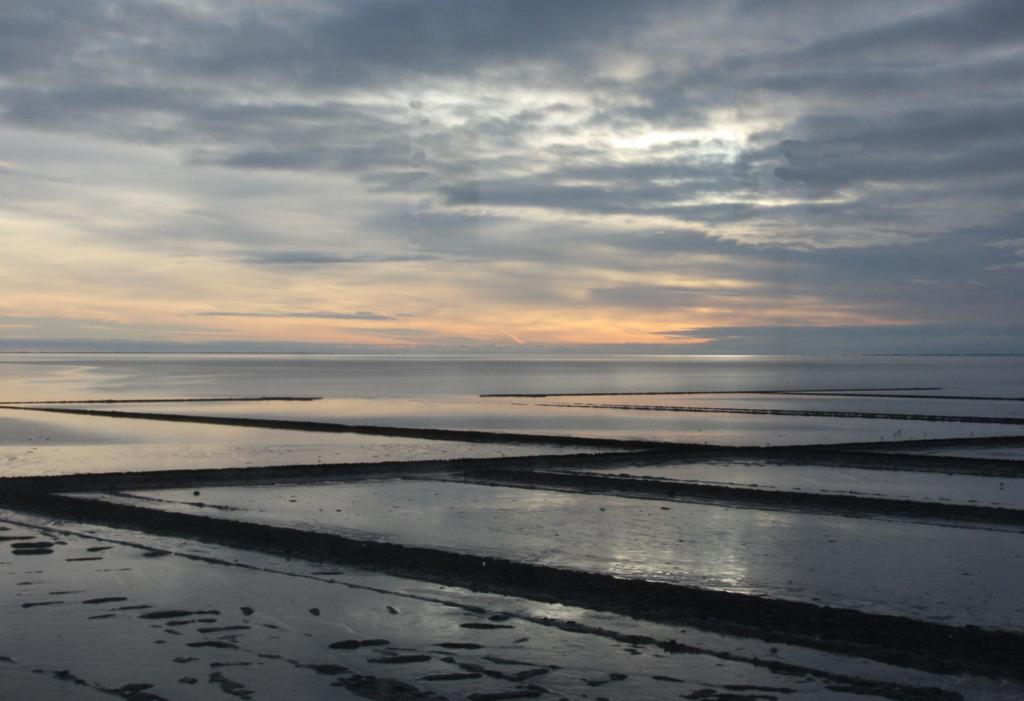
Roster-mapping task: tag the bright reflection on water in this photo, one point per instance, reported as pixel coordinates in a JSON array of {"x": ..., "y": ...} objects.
[
  {"x": 892, "y": 484},
  {"x": 923, "y": 571}
]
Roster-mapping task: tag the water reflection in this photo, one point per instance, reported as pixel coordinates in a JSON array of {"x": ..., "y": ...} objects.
[
  {"x": 916, "y": 570},
  {"x": 495, "y": 415},
  {"x": 892, "y": 484},
  {"x": 50, "y": 444}
]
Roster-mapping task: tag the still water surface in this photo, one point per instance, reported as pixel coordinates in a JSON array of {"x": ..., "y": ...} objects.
[{"x": 91, "y": 376}]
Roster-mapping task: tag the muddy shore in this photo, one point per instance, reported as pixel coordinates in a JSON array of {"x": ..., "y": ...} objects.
[
  {"x": 890, "y": 639},
  {"x": 351, "y": 634},
  {"x": 850, "y": 505},
  {"x": 884, "y": 455}
]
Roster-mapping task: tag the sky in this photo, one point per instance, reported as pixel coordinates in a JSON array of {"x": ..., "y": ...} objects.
[{"x": 690, "y": 177}]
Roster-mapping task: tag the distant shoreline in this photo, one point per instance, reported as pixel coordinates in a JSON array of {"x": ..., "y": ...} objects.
[{"x": 399, "y": 353}]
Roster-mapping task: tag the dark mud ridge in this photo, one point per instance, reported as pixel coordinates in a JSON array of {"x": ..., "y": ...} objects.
[
  {"x": 888, "y": 394},
  {"x": 866, "y": 392},
  {"x": 866, "y": 459},
  {"x": 845, "y": 504},
  {"x": 304, "y": 474},
  {"x": 444, "y": 434},
  {"x": 941, "y": 418},
  {"x": 168, "y": 400},
  {"x": 840, "y": 454},
  {"x": 475, "y": 467},
  {"x": 854, "y": 391},
  {"x": 971, "y": 442},
  {"x": 892, "y": 639}
]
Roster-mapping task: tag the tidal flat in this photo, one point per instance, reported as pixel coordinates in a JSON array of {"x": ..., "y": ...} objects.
[
  {"x": 402, "y": 541},
  {"x": 832, "y": 560}
]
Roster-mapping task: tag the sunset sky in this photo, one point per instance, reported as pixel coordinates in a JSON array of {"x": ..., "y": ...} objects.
[{"x": 726, "y": 177}]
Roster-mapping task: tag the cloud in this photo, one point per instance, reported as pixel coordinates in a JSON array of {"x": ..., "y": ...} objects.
[
  {"x": 359, "y": 316},
  {"x": 319, "y": 258},
  {"x": 544, "y": 162},
  {"x": 1017, "y": 246},
  {"x": 963, "y": 27}
]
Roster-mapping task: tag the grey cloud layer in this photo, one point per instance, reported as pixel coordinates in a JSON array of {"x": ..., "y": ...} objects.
[{"x": 879, "y": 145}]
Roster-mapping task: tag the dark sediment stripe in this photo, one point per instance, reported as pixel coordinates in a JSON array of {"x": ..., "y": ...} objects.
[
  {"x": 843, "y": 504},
  {"x": 1011, "y": 421},
  {"x": 827, "y": 457},
  {"x": 699, "y": 392},
  {"x": 871, "y": 394},
  {"x": 169, "y": 400},
  {"x": 302, "y": 474},
  {"x": 442, "y": 434},
  {"x": 667, "y": 447},
  {"x": 291, "y": 474},
  {"x": 966, "y": 442},
  {"x": 892, "y": 639}
]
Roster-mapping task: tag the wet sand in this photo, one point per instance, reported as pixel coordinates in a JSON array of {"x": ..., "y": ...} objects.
[
  {"x": 48, "y": 443},
  {"x": 568, "y": 567},
  {"x": 539, "y": 421},
  {"x": 817, "y": 501},
  {"x": 106, "y": 612},
  {"x": 852, "y": 481},
  {"x": 938, "y": 573}
]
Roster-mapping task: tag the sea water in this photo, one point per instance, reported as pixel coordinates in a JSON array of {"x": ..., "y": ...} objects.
[{"x": 444, "y": 392}]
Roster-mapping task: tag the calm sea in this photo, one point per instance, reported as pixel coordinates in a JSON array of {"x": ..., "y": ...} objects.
[{"x": 25, "y": 377}]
